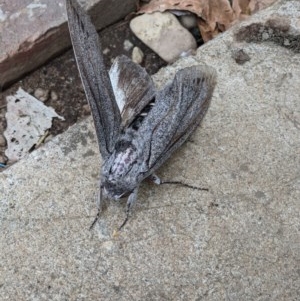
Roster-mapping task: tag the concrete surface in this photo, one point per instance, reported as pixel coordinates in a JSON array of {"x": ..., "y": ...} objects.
[
  {"x": 239, "y": 241},
  {"x": 31, "y": 32}
]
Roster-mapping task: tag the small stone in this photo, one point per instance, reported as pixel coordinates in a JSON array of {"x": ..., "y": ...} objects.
[
  {"x": 2, "y": 140},
  {"x": 53, "y": 95},
  {"x": 265, "y": 36},
  {"x": 240, "y": 56},
  {"x": 163, "y": 33},
  {"x": 41, "y": 94},
  {"x": 3, "y": 159},
  {"x": 30, "y": 91},
  {"x": 86, "y": 109},
  {"x": 137, "y": 55},
  {"x": 106, "y": 51},
  {"x": 127, "y": 45},
  {"x": 188, "y": 21}
]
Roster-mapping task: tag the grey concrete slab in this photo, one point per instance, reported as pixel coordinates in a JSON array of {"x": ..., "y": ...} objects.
[
  {"x": 31, "y": 32},
  {"x": 239, "y": 241}
]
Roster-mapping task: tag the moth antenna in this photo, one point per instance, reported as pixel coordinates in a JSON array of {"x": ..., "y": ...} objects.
[
  {"x": 184, "y": 185},
  {"x": 156, "y": 180},
  {"x": 130, "y": 202}
]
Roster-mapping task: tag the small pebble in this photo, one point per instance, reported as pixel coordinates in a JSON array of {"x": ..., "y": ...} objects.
[
  {"x": 2, "y": 140},
  {"x": 240, "y": 56},
  {"x": 137, "y": 55},
  {"x": 163, "y": 33},
  {"x": 106, "y": 51},
  {"x": 265, "y": 36},
  {"x": 53, "y": 96},
  {"x": 30, "y": 91},
  {"x": 188, "y": 21},
  {"x": 86, "y": 109},
  {"x": 41, "y": 94},
  {"x": 127, "y": 45}
]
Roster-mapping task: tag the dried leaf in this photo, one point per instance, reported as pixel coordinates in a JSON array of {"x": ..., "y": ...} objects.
[
  {"x": 214, "y": 16},
  {"x": 244, "y": 8}
]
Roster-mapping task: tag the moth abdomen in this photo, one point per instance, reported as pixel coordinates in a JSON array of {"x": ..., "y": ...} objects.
[{"x": 138, "y": 120}]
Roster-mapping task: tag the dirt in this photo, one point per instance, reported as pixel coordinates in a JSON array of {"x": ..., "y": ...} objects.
[{"x": 61, "y": 77}]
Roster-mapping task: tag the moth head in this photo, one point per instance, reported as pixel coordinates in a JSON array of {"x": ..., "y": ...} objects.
[{"x": 114, "y": 190}]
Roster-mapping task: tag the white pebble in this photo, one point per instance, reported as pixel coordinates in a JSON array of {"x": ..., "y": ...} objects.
[
  {"x": 41, "y": 94},
  {"x": 127, "y": 45},
  {"x": 163, "y": 33},
  {"x": 137, "y": 55},
  {"x": 53, "y": 96},
  {"x": 188, "y": 21}
]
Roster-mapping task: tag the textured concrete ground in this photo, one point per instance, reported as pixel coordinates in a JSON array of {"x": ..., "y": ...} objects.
[{"x": 239, "y": 241}]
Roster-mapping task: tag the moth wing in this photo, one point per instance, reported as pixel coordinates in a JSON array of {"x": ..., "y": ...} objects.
[
  {"x": 132, "y": 86},
  {"x": 178, "y": 110},
  {"x": 95, "y": 79}
]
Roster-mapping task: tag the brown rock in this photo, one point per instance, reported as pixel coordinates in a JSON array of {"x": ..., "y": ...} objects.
[{"x": 31, "y": 33}]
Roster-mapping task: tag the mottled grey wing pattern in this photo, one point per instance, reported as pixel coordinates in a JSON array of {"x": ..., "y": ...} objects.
[
  {"x": 178, "y": 109},
  {"x": 94, "y": 77},
  {"x": 133, "y": 88}
]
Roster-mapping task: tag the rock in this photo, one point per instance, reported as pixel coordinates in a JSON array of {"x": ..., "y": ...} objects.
[
  {"x": 137, "y": 55},
  {"x": 86, "y": 109},
  {"x": 2, "y": 140},
  {"x": 27, "y": 42},
  {"x": 127, "y": 45},
  {"x": 27, "y": 121},
  {"x": 41, "y": 94},
  {"x": 53, "y": 95},
  {"x": 240, "y": 56},
  {"x": 188, "y": 21},
  {"x": 106, "y": 51},
  {"x": 163, "y": 33}
]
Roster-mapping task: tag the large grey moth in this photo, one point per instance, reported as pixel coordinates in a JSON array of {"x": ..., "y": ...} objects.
[{"x": 137, "y": 127}]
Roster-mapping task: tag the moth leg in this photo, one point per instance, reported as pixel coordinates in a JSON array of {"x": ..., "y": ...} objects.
[
  {"x": 155, "y": 179},
  {"x": 99, "y": 206},
  {"x": 130, "y": 202}
]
